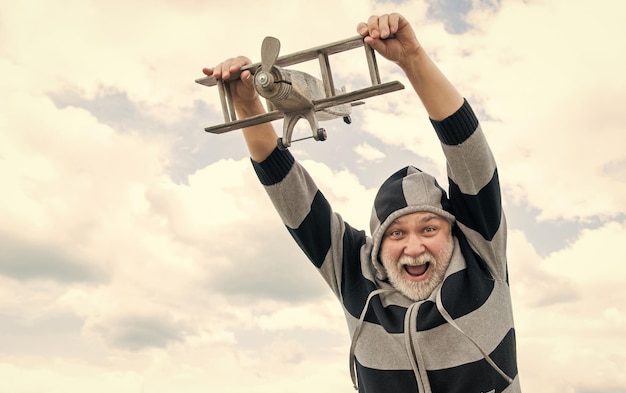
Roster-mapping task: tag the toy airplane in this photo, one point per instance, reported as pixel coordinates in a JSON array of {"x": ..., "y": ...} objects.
[{"x": 293, "y": 95}]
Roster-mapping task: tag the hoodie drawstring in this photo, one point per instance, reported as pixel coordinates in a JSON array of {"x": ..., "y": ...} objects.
[
  {"x": 449, "y": 319},
  {"x": 357, "y": 333},
  {"x": 417, "y": 361},
  {"x": 415, "y": 356}
]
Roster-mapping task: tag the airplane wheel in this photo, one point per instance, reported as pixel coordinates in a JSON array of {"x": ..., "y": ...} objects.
[
  {"x": 347, "y": 120},
  {"x": 321, "y": 134},
  {"x": 280, "y": 145}
]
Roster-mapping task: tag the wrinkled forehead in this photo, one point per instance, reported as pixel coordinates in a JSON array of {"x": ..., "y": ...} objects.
[{"x": 420, "y": 217}]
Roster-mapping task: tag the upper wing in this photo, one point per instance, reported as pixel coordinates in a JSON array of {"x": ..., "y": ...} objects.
[{"x": 295, "y": 58}]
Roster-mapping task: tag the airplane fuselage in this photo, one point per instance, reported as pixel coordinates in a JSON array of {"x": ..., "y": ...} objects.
[{"x": 293, "y": 90}]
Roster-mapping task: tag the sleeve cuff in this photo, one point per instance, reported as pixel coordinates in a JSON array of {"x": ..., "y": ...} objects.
[
  {"x": 456, "y": 128},
  {"x": 274, "y": 168}
]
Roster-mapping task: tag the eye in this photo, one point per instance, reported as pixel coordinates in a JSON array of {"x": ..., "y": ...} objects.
[
  {"x": 430, "y": 230},
  {"x": 394, "y": 233}
]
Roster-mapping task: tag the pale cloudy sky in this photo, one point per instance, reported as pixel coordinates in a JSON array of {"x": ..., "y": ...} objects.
[{"x": 139, "y": 254}]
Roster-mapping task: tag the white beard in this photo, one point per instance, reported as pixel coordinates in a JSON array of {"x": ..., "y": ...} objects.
[{"x": 419, "y": 290}]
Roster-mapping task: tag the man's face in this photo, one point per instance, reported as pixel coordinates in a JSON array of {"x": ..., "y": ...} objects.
[{"x": 416, "y": 251}]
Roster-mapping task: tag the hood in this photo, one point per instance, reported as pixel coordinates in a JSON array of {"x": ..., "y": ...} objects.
[{"x": 409, "y": 190}]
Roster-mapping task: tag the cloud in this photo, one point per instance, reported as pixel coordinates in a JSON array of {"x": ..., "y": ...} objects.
[
  {"x": 570, "y": 309},
  {"x": 369, "y": 153},
  {"x": 67, "y": 374},
  {"x": 138, "y": 253},
  {"x": 535, "y": 286},
  {"x": 560, "y": 112},
  {"x": 31, "y": 261},
  {"x": 254, "y": 273},
  {"x": 308, "y": 316},
  {"x": 543, "y": 110},
  {"x": 138, "y": 332},
  {"x": 451, "y": 13}
]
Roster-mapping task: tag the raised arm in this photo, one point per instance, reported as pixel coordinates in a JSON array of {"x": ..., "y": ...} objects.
[
  {"x": 438, "y": 95},
  {"x": 260, "y": 139}
]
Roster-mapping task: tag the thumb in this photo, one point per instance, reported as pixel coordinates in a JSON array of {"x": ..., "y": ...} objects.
[
  {"x": 380, "y": 46},
  {"x": 247, "y": 79}
]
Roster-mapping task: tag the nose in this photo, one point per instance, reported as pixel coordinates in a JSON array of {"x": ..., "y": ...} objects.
[{"x": 414, "y": 246}]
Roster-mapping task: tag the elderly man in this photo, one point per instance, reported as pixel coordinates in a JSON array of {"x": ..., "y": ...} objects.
[{"x": 426, "y": 297}]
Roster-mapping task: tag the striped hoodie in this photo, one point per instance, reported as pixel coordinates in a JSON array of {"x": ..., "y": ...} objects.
[{"x": 460, "y": 339}]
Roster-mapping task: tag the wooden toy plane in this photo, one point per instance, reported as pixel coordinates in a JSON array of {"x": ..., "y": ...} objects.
[{"x": 293, "y": 94}]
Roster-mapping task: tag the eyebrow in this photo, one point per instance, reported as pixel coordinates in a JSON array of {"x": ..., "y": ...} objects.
[
  {"x": 429, "y": 217},
  {"x": 426, "y": 218}
]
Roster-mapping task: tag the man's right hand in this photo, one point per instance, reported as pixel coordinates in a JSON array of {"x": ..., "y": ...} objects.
[
  {"x": 245, "y": 98},
  {"x": 261, "y": 138}
]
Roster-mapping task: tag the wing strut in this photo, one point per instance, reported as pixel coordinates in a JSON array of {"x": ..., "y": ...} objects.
[
  {"x": 327, "y": 75},
  {"x": 371, "y": 64},
  {"x": 226, "y": 99}
]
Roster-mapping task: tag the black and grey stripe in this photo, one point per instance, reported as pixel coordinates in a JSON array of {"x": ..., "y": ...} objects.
[{"x": 462, "y": 338}]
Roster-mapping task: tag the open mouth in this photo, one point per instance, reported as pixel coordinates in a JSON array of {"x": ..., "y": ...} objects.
[{"x": 417, "y": 270}]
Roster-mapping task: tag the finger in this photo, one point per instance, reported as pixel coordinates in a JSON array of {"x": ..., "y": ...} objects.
[
  {"x": 383, "y": 26},
  {"x": 228, "y": 67},
  {"x": 362, "y": 29},
  {"x": 372, "y": 26},
  {"x": 376, "y": 43},
  {"x": 233, "y": 65},
  {"x": 394, "y": 23},
  {"x": 237, "y": 63},
  {"x": 215, "y": 72}
]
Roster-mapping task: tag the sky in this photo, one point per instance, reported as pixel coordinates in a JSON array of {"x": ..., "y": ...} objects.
[{"x": 140, "y": 254}]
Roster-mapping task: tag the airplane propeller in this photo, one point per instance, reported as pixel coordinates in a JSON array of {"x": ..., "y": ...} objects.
[{"x": 269, "y": 53}]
